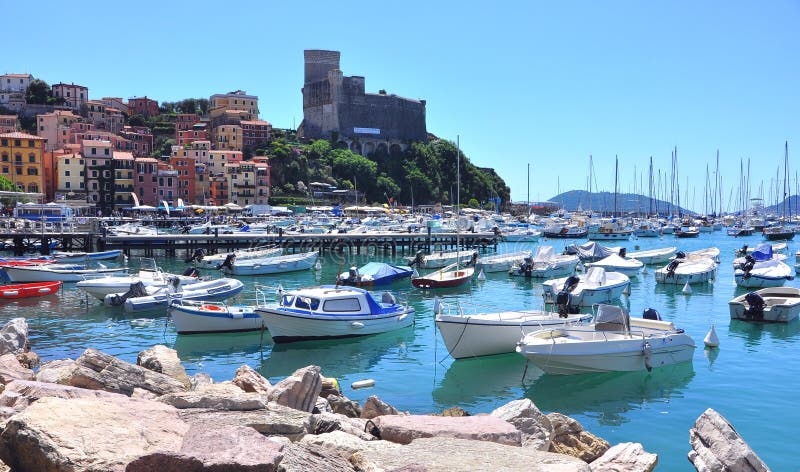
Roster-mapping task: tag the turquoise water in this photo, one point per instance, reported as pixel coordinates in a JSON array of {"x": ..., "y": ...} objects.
[{"x": 750, "y": 379}]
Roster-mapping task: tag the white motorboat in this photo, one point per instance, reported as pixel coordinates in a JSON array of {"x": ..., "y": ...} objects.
[
  {"x": 437, "y": 260},
  {"x": 615, "y": 263},
  {"x": 486, "y": 333},
  {"x": 593, "y": 287},
  {"x": 149, "y": 275},
  {"x": 545, "y": 264},
  {"x": 775, "y": 304},
  {"x": 610, "y": 231},
  {"x": 68, "y": 257},
  {"x": 707, "y": 253},
  {"x": 653, "y": 256},
  {"x": 56, "y": 272},
  {"x": 521, "y": 235},
  {"x": 760, "y": 274},
  {"x": 209, "y": 228},
  {"x": 647, "y": 229},
  {"x": 591, "y": 251},
  {"x": 155, "y": 297},
  {"x": 214, "y": 261},
  {"x": 776, "y": 248},
  {"x": 681, "y": 271},
  {"x": 501, "y": 262},
  {"x": 271, "y": 264},
  {"x": 614, "y": 342},
  {"x": 328, "y": 311},
  {"x": 191, "y": 317},
  {"x": 132, "y": 229}
]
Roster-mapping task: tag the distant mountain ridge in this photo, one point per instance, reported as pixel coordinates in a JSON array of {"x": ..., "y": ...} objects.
[{"x": 603, "y": 202}]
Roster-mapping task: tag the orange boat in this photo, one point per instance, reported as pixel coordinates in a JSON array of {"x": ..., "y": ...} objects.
[{"x": 35, "y": 289}]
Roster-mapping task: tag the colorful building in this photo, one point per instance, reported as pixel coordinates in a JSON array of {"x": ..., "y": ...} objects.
[
  {"x": 167, "y": 184},
  {"x": 74, "y": 95},
  {"x": 8, "y": 123},
  {"x": 198, "y": 132},
  {"x": 55, "y": 127},
  {"x": 255, "y": 132},
  {"x": 142, "y": 106},
  {"x": 21, "y": 156},
  {"x": 184, "y": 122},
  {"x": 15, "y": 82},
  {"x": 99, "y": 174},
  {"x": 140, "y": 140},
  {"x": 123, "y": 164},
  {"x": 184, "y": 159},
  {"x": 115, "y": 102},
  {"x": 238, "y": 100},
  {"x": 71, "y": 179},
  {"x": 146, "y": 180},
  {"x": 248, "y": 183},
  {"x": 228, "y": 137}
]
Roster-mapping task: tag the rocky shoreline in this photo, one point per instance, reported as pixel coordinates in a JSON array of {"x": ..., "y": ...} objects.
[{"x": 99, "y": 413}]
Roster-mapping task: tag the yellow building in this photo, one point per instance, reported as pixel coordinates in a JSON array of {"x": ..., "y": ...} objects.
[
  {"x": 70, "y": 170},
  {"x": 123, "y": 178},
  {"x": 21, "y": 160},
  {"x": 228, "y": 137},
  {"x": 239, "y": 100}
]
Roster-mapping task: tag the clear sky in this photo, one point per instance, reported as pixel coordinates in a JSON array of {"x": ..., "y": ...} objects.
[{"x": 521, "y": 82}]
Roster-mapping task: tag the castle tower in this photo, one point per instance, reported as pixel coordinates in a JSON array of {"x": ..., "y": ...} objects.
[{"x": 318, "y": 63}]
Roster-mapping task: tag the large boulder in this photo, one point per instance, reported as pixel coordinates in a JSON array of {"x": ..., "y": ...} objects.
[
  {"x": 570, "y": 438},
  {"x": 20, "y": 394},
  {"x": 11, "y": 369},
  {"x": 251, "y": 381},
  {"x": 99, "y": 371},
  {"x": 304, "y": 457},
  {"x": 274, "y": 420},
  {"x": 28, "y": 359},
  {"x": 58, "y": 371},
  {"x": 532, "y": 423},
  {"x": 449, "y": 454},
  {"x": 375, "y": 407},
  {"x": 402, "y": 429},
  {"x": 626, "y": 457},
  {"x": 329, "y": 422},
  {"x": 300, "y": 390},
  {"x": 83, "y": 434},
  {"x": 220, "y": 396},
  {"x": 716, "y": 446},
  {"x": 200, "y": 380},
  {"x": 164, "y": 360},
  {"x": 345, "y": 443},
  {"x": 342, "y": 405},
  {"x": 14, "y": 337},
  {"x": 228, "y": 448}
]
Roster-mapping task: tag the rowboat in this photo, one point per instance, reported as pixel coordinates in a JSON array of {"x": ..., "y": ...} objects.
[
  {"x": 271, "y": 264},
  {"x": 447, "y": 277},
  {"x": 35, "y": 289},
  {"x": 52, "y": 272},
  {"x": 61, "y": 256},
  {"x": 191, "y": 317},
  {"x": 775, "y": 304}
]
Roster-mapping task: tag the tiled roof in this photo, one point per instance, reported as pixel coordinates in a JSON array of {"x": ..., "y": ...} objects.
[{"x": 20, "y": 135}]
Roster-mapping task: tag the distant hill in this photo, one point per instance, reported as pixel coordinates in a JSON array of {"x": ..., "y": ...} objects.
[
  {"x": 604, "y": 202},
  {"x": 792, "y": 206}
]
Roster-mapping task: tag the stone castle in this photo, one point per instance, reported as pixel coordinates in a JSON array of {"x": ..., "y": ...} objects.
[{"x": 338, "y": 109}]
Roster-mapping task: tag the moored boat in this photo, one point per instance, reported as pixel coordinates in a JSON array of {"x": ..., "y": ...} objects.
[
  {"x": 593, "y": 287},
  {"x": 192, "y": 317},
  {"x": 374, "y": 273},
  {"x": 156, "y": 297},
  {"x": 615, "y": 263},
  {"x": 214, "y": 261},
  {"x": 61, "y": 256},
  {"x": 34, "y": 289},
  {"x": 546, "y": 265},
  {"x": 681, "y": 271},
  {"x": 775, "y": 304},
  {"x": 653, "y": 256},
  {"x": 52, "y": 272},
  {"x": 446, "y": 277},
  {"x": 271, "y": 264},
  {"x": 501, "y": 262}
]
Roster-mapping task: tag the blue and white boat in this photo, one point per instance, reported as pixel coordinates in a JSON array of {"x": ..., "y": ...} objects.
[
  {"x": 157, "y": 297},
  {"x": 61, "y": 256},
  {"x": 328, "y": 312},
  {"x": 192, "y": 317},
  {"x": 374, "y": 273}
]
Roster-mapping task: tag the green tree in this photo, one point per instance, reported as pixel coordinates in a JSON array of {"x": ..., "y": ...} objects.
[
  {"x": 137, "y": 120},
  {"x": 38, "y": 92},
  {"x": 473, "y": 203},
  {"x": 6, "y": 185},
  {"x": 202, "y": 106},
  {"x": 386, "y": 187}
]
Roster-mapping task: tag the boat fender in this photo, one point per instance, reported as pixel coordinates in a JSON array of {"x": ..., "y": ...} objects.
[
  {"x": 363, "y": 384},
  {"x": 755, "y": 309},
  {"x": 647, "y": 351},
  {"x": 357, "y": 324},
  {"x": 687, "y": 289},
  {"x": 481, "y": 275}
]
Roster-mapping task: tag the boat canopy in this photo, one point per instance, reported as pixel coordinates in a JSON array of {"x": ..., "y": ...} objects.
[
  {"x": 763, "y": 252},
  {"x": 543, "y": 254},
  {"x": 591, "y": 250},
  {"x": 596, "y": 276},
  {"x": 611, "y": 318},
  {"x": 380, "y": 270}
]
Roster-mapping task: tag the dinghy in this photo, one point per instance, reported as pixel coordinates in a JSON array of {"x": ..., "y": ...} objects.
[
  {"x": 149, "y": 275},
  {"x": 61, "y": 256},
  {"x": 653, "y": 256},
  {"x": 615, "y": 263},
  {"x": 614, "y": 342},
  {"x": 271, "y": 264},
  {"x": 328, "y": 312},
  {"x": 192, "y": 317},
  {"x": 156, "y": 297},
  {"x": 775, "y": 304},
  {"x": 593, "y": 287},
  {"x": 681, "y": 271},
  {"x": 35, "y": 289},
  {"x": 546, "y": 265},
  {"x": 374, "y": 273},
  {"x": 447, "y": 277},
  {"x": 53, "y": 272},
  {"x": 438, "y": 260}
]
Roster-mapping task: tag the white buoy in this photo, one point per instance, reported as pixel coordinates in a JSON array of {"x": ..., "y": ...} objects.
[
  {"x": 363, "y": 384},
  {"x": 437, "y": 305},
  {"x": 481, "y": 275},
  {"x": 318, "y": 265},
  {"x": 711, "y": 339},
  {"x": 686, "y": 288}
]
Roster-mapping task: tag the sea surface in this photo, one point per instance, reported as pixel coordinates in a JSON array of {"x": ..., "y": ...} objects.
[{"x": 751, "y": 379}]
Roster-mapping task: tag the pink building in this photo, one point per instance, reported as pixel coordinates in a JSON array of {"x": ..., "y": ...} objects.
[
  {"x": 184, "y": 122},
  {"x": 8, "y": 123},
  {"x": 255, "y": 132},
  {"x": 145, "y": 176},
  {"x": 73, "y": 95},
  {"x": 167, "y": 184},
  {"x": 198, "y": 132},
  {"x": 139, "y": 139},
  {"x": 142, "y": 106}
]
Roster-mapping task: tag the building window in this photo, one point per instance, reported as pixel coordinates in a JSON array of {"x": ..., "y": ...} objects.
[
  {"x": 31, "y": 143},
  {"x": 82, "y": 185},
  {"x": 32, "y": 158},
  {"x": 33, "y": 171},
  {"x": 67, "y": 185}
]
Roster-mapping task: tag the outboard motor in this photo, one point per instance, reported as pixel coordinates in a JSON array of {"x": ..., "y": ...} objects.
[
  {"x": 622, "y": 252},
  {"x": 564, "y": 297},
  {"x": 672, "y": 266},
  {"x": 472, "y": 260},
  {"x": 228, "y": 262},
  {"x": 749, "y": 263},
  {"x": 651, "y": 314},
  {"x": 570, "y": 284},
  {"x": 742, "y": 252},
  {"x": 419, "y": 259},
  {"x": 526, "y": 268},
  {"x": 185, "y": 229},
  {"x": 680, "y": 255},
  {"x": 191, "y": 272},
  {"x": 136, "y": 290},
  {"x": 755, "y": 309},
  {"x": 388, "y": 298},
  {"x": 353, "y": 275},
  {"x": 197, "y": 256}
]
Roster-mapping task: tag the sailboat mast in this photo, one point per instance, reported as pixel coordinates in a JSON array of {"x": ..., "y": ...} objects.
[
  {"x": 616, "y": 178},
  {"x": 528, "y": 211}
]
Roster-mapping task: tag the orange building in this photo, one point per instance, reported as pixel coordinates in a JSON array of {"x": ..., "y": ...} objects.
[{"x": 21, "y": 160}]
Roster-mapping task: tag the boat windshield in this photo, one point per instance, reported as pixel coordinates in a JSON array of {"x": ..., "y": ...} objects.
[
  {"x": 306, "y": 303},
  {"x": 287, "y": 300}
]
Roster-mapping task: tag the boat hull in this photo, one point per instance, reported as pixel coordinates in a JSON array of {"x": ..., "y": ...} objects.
[
  {"x": 782, "y": 305},
  {"x": 279, "y": 265},
  {"x": 289, "y": 326},
  {"x": 760, "y": 281},
  {"x": 32, "y": 274},
  {"x": 36, "y": 289},
  {"x": 197, "y": 319}
]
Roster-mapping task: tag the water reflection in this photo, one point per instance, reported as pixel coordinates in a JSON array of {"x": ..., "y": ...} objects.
[
  {"x": 753, "y": 334},
  {"x": 609, "y": 394}
]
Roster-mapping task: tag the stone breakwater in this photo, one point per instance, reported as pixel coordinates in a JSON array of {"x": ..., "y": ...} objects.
[{"x": 99, "y": 413}]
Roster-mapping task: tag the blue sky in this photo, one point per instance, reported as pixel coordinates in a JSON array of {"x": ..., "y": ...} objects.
[{"x": 521, "y": 82}]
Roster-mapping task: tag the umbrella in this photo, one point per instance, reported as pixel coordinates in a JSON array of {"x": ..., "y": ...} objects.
[{"x": 233, "y": 207}]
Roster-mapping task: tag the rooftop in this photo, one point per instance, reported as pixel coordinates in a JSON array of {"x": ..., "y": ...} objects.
[{"x": 20, "y": 135}]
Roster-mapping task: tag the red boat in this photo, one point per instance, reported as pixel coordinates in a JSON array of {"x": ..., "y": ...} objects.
[
  {"x": 25, "y": 262},
  {"x": 35, "y": 289},
  {"x": 450, "y": 276}
]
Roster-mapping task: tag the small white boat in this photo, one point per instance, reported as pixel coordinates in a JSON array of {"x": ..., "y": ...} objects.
[
  {"x": 760, "y": 274},
  {"x": 521, "y": 235},
  {"x": 707, "y": 253},
  {"x": 653, "y": 256},
  {"x": 156, "y": 297},
  {"x": 56, "y": 272},
  {"x": 610, "y": 231},
  {"x": 614, "y": 342},
  {"x": 67, "y": 257},
  {"x": 132, "y": 229},
  {"x": 776, "y": 304},
  {"x": 591, "y": 251},
  {"x": 486, "y": 334},
  {"x": 501, "y": 262},
  {"x": 208, "y": 228},
  {"x": 593, "y": 287},
  {"x": 545, "y": 264},
  {"x": 615, "y": 263},
  {"x": 681, "y": 271},
  {"x": 214, "y": 261},
  {"x": 328, "y": 312},
  {"x": 191, "y": 317},
  {"x": 149, "y": 274},
  {"x": 271, "y": 264},
  {"x": 647, "y": 229},
  {"x": 437, "y": 260}
]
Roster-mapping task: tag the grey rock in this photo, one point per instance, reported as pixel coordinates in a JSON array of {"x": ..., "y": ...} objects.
[
  {"x": 99, "y": 371},
  {"x": 322, "y": 406},
  {"x": 220, "y": 396},
  {"x": 164, "y": 360},
  {"x": 716, "y": 446},
  {"x": 28, "y": 359},
  {"x": 532, "y": 423},
  {"x": 338, "y": 440},
  {"x": 58, "y": 371},
  {"x": 301, "y": 457},
  {"x": 375, "y": 407},
  {"x": 200, "y": 380},
  {"x": 329, "y": 422},
  {"x": 274, "y": 420},
  {"x": 251, "y": 381},
  {"x": 11, "y": 369},
  {"x": 300, "y": 390},
  {"x": 344, "y": 406},
  {"x": 402, "y": 429},
  {"x": 571, "y": 439},
  {"x": 19, "y": 394},
  {"x": 14, "y": 337},
  {"x": 453, "y": 454},
  {"x": 626, "y": 457}
]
